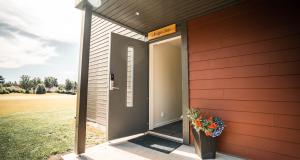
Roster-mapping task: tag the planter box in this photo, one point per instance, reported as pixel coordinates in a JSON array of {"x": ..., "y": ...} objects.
[{"x": 204, "y": 145}]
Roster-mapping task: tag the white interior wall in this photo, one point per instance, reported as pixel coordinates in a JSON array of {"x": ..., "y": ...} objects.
[{"x": 166, "y": 69}]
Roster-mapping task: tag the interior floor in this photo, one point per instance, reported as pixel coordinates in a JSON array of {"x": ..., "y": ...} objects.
[{"x": 173, "y": 129}]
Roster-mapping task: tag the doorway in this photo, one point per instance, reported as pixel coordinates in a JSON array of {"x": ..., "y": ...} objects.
[{"x": 165, "y": 88}]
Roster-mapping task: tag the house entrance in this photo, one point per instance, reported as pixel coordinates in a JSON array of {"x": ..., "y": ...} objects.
[{"x": 165, "y": 88}]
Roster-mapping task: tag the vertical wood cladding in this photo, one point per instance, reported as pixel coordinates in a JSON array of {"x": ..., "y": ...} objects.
[
  {"x": 98, "y": 85},
  {"x": 244, "y": 66}
]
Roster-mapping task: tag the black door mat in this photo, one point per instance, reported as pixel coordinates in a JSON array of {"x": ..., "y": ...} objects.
[
  {"x": 156, "y": 143},
  {"x": 173, "y": 129}
]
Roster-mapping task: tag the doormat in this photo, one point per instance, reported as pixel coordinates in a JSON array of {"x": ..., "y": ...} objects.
[{"x": 156, "y": 143}]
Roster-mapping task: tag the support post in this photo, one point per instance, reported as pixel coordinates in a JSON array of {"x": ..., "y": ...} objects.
[
  {"x": 185, "y": 83},
  {"x": 81, "y": 107}
]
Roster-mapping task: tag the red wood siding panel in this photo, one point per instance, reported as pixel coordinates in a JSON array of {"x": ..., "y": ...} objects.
[{"x": 244, "y": 66}]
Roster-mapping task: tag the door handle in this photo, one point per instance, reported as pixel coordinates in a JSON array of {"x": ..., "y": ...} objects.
[{"x": 112, "y": 82}]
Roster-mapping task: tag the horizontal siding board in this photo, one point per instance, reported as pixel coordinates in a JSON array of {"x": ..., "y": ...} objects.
[
  {"x": 95, "y": 89},
  {"x": 98, "y": 105},
  {"x": 99, "y": 36},
  {"x": 101, "y": 72},
  {"x": 100, "y": 78},
  {"x": 246, "y": 71},
  {"x": 96, "y": 66},
  {"x": 290, "y": 108},
  {"x": 268, "y": 46},
  {"x": 99, "y": 40},
  {"x": 99, "y": 26},
  {"x": 95, "y": 61},
  {"x": 100, "y": 46},
  {"x": 98, "y": 108},
  {"x": 209, "y": 94},
  {"x": 99, "y": 52},
  {"x": 99, "y": 57},
  {"x": 266, "y": 82},
  {"x": 282, "y": 134},
  {"x": 285, "y": 68},
  {"x": 98, "y": 119},
  {"x": 102, "y": 29},
  {"x": 270, "y": 155},
  {"x": 287, "y": 121},
  {"x": 105, "y": 29},
  {"x": 263, "y": 144},
  {"x": 291, "y": 95},
  {"x": 243, "y": 151},
  {"x": 98, "y": 96},
  {"x": 97, "y": 93},
  {"x": 99, "y": 62},
  {"x": 100, "y": 101},
  {"x": 96, "y": 114},
  {"x": 248, "y": 60}
]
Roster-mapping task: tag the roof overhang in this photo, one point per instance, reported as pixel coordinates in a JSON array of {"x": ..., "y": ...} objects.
[{"x": 144, "y": 16}]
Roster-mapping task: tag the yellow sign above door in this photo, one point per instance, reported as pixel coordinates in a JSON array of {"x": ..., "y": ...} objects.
[{"x": 162, "y": 32}]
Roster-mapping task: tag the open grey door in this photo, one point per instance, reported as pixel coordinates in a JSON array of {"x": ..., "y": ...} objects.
[{"x": 128, "y": 109}]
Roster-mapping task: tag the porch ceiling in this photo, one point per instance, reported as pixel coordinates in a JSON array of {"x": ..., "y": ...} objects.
[{"x": 154, "y": 14}]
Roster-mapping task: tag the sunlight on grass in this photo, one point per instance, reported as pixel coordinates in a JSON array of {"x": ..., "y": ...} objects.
[{"x": 38, "y": 129}]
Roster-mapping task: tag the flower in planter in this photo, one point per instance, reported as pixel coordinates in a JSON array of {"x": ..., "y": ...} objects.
[{"x": 211, "y": 125}]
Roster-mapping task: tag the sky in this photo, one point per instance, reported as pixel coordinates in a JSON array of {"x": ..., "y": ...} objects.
[{"x": 39, "y": 38}]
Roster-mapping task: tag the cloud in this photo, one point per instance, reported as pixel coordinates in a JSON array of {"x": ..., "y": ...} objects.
[
  {"x": 50, "y": 19},
  {"x": 18, "y": 50},
  {"x": 31, "y": 30}
]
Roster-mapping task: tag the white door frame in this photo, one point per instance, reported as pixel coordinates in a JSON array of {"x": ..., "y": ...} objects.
[{"x": 151, "y": 79}]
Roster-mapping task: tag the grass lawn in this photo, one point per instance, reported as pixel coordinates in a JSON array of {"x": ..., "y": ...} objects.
[{"x": 37, "y": 126}]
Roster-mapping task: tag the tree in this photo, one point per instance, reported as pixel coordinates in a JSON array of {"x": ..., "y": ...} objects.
[
  {"x": 8, "y": 84},
  {"x": 55, "y": 82},
  {"x": 61, "y": 87},
  {"x": 40, "y": 89},
  {"x": 25, "y": 83},
  {"x": 36, "y": 81},
  {"x": 75, "y": 86},
  {"x": 69, "y": 85},
  {"x": 2, "y": 80},
  {"x": 50, "y": 82}
]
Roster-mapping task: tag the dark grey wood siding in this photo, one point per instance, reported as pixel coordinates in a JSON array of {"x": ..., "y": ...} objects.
[{"x": 98, "y": 86}]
